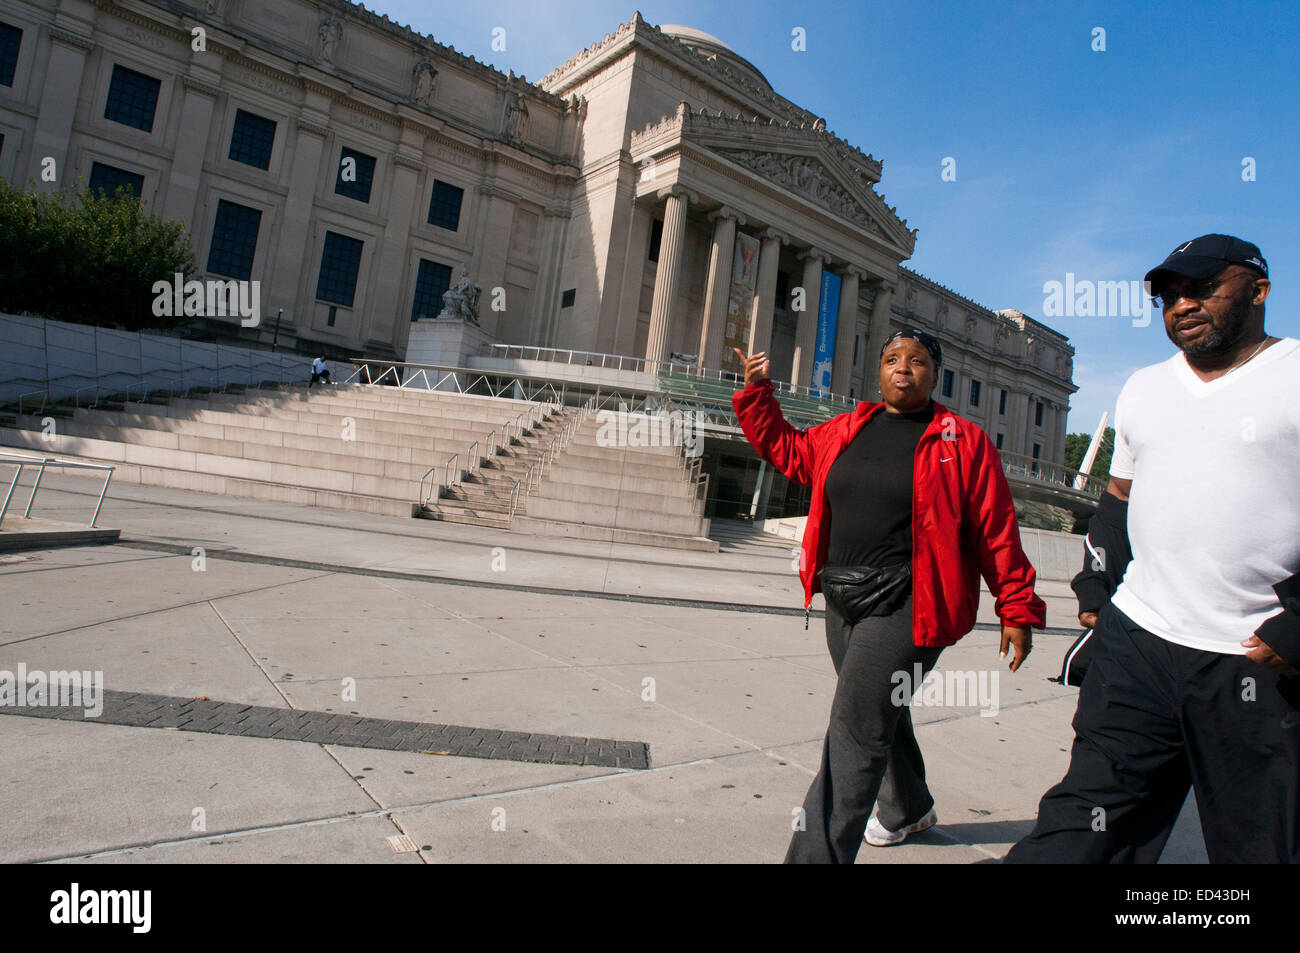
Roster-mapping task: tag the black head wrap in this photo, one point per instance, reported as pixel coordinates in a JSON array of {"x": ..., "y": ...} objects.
[{"x": 928, "y": 341}]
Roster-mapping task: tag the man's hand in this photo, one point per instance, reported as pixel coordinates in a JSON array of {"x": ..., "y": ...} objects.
[
  {"x": 1088, "y": 620},
  {"x": 1019, "y": 637},
  {"x": 1263, "y": 655},
  {"x": 756, "y": 367}
]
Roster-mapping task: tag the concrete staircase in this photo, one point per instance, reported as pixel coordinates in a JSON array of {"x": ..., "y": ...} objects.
[
  {"x": 354, "y": 448},
  {"x": 367, "y": 448},
  {"x": 621, "y": 494}
]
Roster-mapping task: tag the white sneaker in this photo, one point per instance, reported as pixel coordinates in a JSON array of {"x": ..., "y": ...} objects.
[{"x": 877, "y": 836}]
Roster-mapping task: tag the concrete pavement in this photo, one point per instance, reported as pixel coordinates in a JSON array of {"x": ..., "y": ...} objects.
[{"x": 702, "y": 656}]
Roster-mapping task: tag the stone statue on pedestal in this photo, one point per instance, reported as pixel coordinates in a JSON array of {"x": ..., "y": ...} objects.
[{"x": 460, "y": 301}]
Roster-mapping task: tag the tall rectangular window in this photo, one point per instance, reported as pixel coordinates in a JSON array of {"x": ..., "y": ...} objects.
[
  {"x": 1038, "y": 450},
  {"x": 947, "y": 383},
  {"x": 1038, "y": 414},
  {"x": 1002, "y": 402},
  {"x": 109, "y": 178},
  {"x": 132, "y": 98},
  {"x": 656, "y": 238},
  {"x": 356, "y": 173},
  {"x": 444, "y": 206},
  {"x": 11, "y": 38},
  {"x": 252, "y": 139},
  {"x": 234, "y": 240},
  {"x": 339, "y": 263},
  {"x": 430, "y": 282},
  {"x": 568, "y": 297},
  {"x": 974, "y": 393},
  {"x": 857, "y": 339},
  {"x": 999, "y": 443}
]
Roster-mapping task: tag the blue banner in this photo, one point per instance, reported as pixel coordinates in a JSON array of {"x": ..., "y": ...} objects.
[{"x": 827, "y": 317}]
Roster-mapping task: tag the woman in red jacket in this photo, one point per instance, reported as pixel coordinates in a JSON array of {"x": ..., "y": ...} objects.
[{"x": 909, "y": 508}]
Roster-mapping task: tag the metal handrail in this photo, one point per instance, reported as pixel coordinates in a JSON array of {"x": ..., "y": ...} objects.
[
  {"x": 646, "y": 366},
  {"x": 19, "y": 462}
]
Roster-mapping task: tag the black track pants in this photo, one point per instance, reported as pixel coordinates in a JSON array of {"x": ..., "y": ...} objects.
[{"x": 1155, "y": 718}]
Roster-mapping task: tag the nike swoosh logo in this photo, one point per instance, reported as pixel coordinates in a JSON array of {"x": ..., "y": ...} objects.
[{"x": 946, "y": 459}]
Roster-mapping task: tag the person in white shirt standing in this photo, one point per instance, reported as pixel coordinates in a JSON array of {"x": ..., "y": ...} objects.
[{"x": 1195, "y": 677}]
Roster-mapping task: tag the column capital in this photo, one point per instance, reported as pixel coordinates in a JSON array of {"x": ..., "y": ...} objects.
[
  {"x": 305, "y": 124},
  {"x": 855, "y": 271},
  {"x": 775, "y": 234},
  {"x": 681, "y": 191},
  {"x": 403, "y": 160},
  {"x": 198, "y": 86},
  {"x": 727, "y": 211},
  {"x": 495, "y": 191},
  {"x": 814, "y": 252},
  {"x": 68, "y": 38}
]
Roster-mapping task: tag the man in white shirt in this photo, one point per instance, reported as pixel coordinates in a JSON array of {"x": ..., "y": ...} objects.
[
  {"x": 1195, "y": 677},
  {"x": 319, "y": 372}
]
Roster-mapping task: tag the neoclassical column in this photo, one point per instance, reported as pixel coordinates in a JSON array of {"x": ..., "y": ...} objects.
[
  {"x": 769, "y": 258},
  {"x": 554, "y": 235},
  {"x": 846, "y": 328},
  {"x": 877, "y": 330},
  {"x": 805, "y": 331},
  {"x": 196, "y": 106},
  {"x": 384, "y": 321},
  {"x": 294, "y": 248},
  {"x": 718, "y": 288},
  {"x": 668, "y": 274},
  {"x": 496, "y": 223},
  {"x": 60, "y": 94}
]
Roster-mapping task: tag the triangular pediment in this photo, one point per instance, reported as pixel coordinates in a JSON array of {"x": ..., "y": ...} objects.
[{"x": 807, "y": 160}]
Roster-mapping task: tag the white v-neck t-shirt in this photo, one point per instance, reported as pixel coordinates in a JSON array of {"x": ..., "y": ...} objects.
[{"x": 1214, "y": 512}]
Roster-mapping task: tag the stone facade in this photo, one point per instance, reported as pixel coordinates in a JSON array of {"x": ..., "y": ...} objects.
[{"x": 601, "y": 208}]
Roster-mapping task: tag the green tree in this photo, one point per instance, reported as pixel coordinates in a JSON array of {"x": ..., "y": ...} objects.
[
  {"x": 1076, "y": 445},
  {"x": 86, "y": 257}
]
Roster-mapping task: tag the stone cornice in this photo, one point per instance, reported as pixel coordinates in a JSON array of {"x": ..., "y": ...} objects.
[{"x": 638, "y": 31}]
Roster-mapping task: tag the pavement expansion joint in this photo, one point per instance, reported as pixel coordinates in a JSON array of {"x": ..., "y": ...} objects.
[{"x": 323, "y": 727}]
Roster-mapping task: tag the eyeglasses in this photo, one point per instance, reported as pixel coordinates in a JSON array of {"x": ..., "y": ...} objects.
[{"x": 1203, "y": 290}]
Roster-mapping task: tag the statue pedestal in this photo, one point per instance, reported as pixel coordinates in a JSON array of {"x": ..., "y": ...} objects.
[{"x": 449, "y": 342}]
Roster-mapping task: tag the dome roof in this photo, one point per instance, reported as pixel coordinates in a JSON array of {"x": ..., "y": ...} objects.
[{"x": 710, "y": 45}]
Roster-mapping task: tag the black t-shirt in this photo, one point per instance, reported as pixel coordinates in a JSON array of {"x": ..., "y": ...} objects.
[{"x": 869, "y": 491}]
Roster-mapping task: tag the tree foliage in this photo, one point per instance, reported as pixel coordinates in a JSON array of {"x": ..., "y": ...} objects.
[
  {"x": 1076, "y": 445},
  {"x": 86, "y": 257}
]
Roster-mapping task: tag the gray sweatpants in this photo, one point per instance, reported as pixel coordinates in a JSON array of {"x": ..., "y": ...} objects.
[{"x": 870, "y": 756}]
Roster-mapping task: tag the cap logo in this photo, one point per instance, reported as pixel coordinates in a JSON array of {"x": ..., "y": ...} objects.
[{"x": 1182, "y": 248}]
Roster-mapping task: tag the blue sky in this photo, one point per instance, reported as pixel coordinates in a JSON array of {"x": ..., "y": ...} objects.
[{"x": 1067, "y": 159}]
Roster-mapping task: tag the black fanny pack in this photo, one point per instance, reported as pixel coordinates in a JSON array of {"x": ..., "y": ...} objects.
[{"x": 856, "y": 592}]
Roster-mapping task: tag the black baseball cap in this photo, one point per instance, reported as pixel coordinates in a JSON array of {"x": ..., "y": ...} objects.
[{"x": 1208, "y": 255}]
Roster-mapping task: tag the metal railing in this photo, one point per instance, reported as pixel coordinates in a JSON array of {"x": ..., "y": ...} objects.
[
  {"x": 19, "y": 462},
  {"x": 1055, "y": 474},
  {"x": 558, "y": 444},
  {"x": 522, "y": 423},
  {"x": 641, "y": 365}
]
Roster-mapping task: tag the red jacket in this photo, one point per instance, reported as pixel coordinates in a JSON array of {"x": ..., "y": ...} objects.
[{"x": 963, "y": 521}]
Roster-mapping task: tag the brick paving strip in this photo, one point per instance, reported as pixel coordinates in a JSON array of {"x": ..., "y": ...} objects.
[{"x": 325, "y": 727}]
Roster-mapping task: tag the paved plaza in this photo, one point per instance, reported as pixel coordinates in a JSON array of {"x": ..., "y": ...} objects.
[{"x": 289, "y": 684}]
